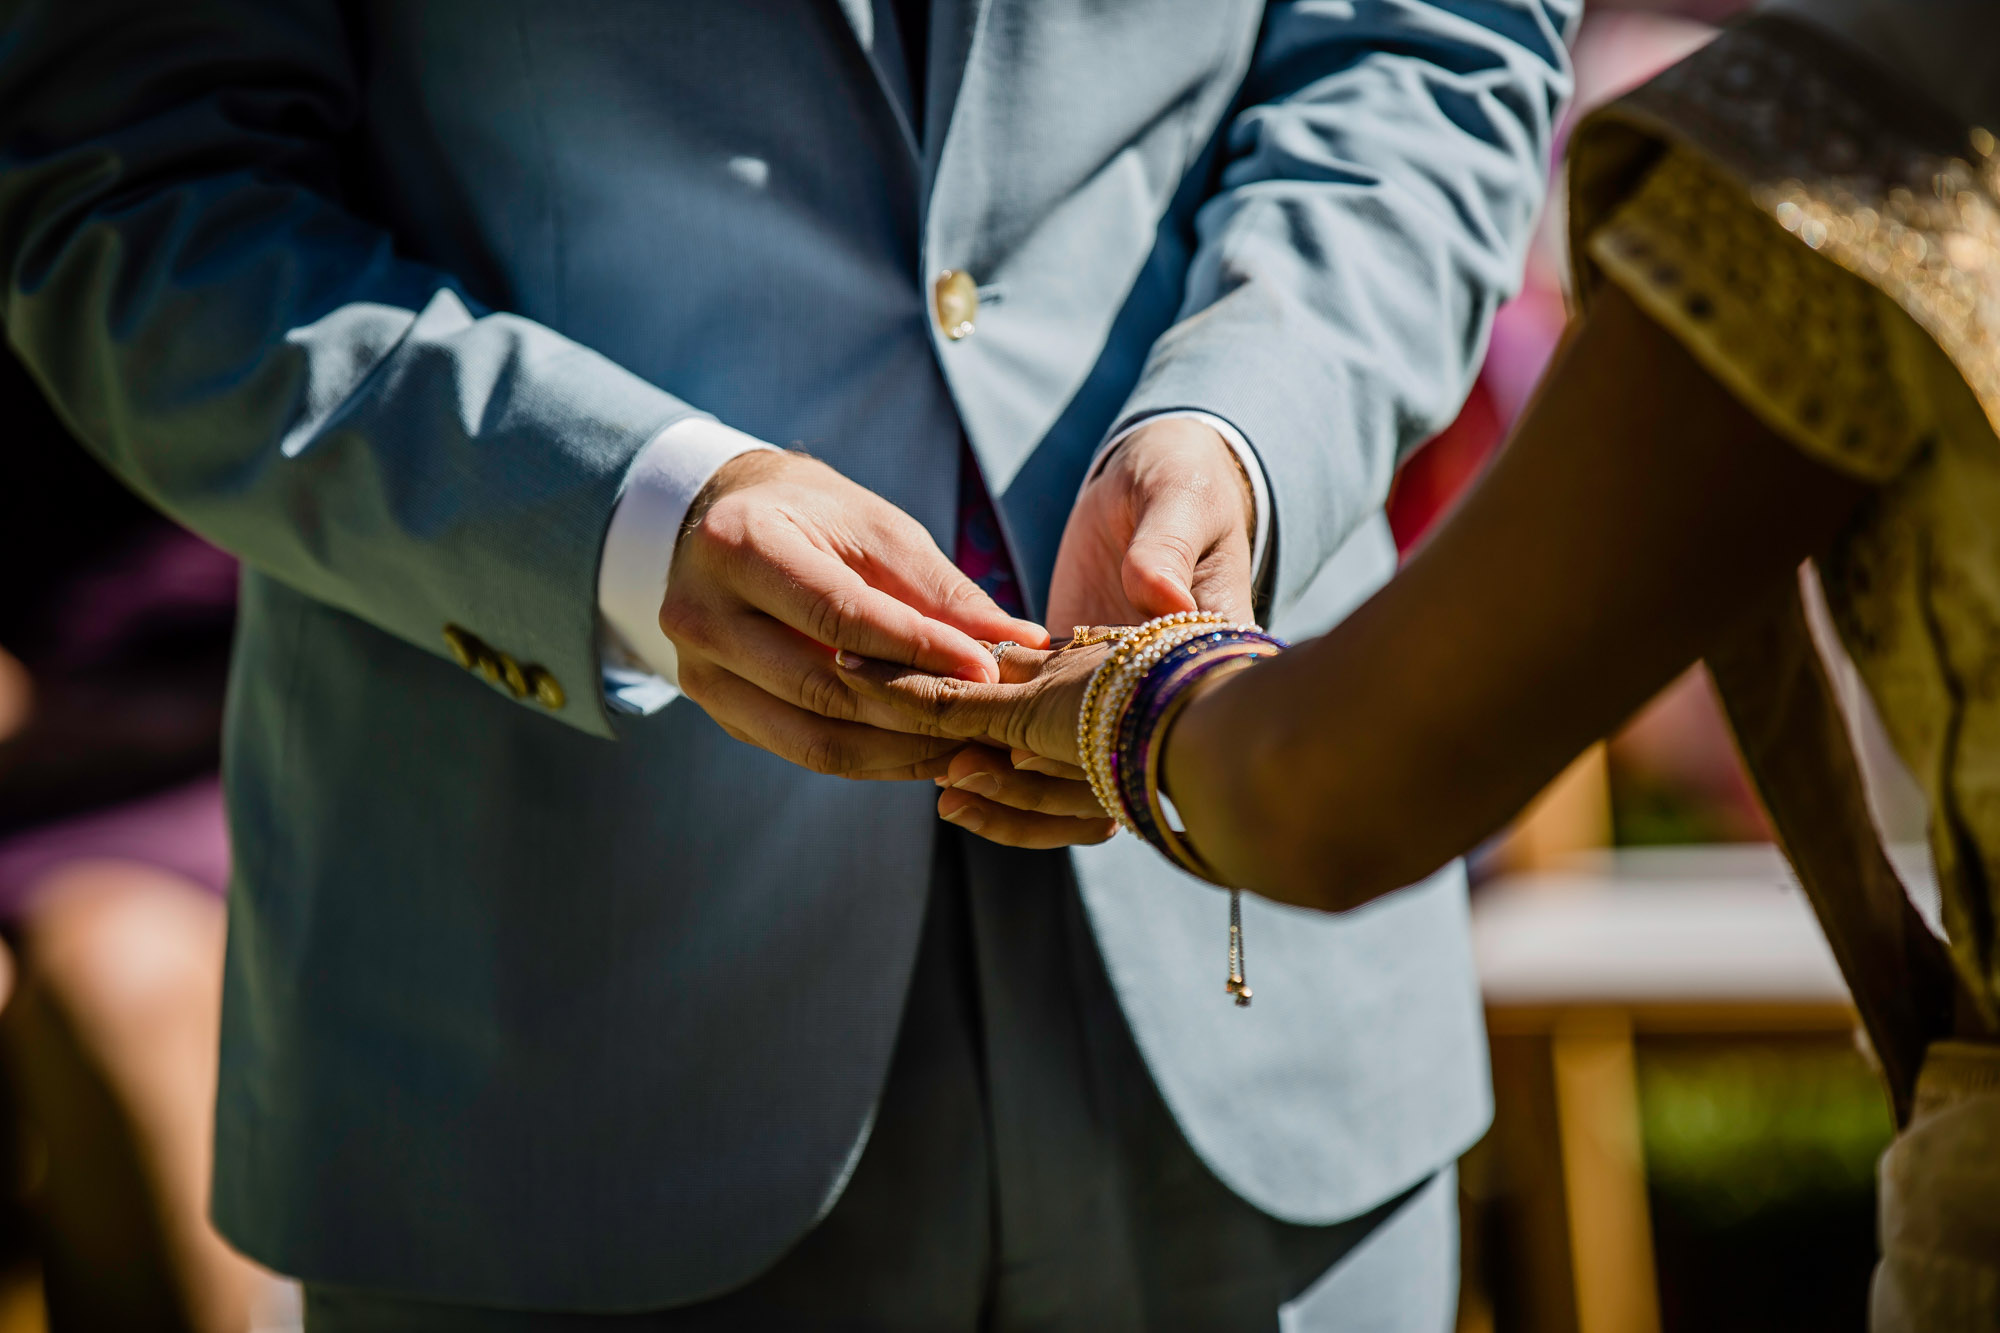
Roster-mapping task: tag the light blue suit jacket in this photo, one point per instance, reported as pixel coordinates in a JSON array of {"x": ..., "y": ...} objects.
[{"x": 564, "y": 1009}]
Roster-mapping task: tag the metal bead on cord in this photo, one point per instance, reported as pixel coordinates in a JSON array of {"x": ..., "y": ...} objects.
[
  {"x": 1129, "y": 703},
  {"x": 1237, "y": 985}
]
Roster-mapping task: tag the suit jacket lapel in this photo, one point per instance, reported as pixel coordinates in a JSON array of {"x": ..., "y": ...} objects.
[
  {"x": 954, "y": 30},
  {"x": 874, "y": 26}
]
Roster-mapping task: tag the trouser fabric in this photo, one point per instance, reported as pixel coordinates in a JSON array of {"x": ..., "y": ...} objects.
[{"x": 1023, "y": 1174}]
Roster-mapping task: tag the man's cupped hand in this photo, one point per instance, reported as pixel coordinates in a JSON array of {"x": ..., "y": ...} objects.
[
  {"x": 782, "y": 563},
  {"x": 1164, "y": 524}
]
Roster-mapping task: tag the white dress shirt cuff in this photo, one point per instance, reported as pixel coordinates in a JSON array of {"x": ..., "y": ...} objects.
[
  {"x": 641, "y": 671},
  {"x": 1260, "y": 485}
]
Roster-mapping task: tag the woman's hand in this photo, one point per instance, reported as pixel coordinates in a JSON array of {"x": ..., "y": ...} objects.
[
  {"x": 1018, "y": 783},
  {"x": 1033, "y": 708}
]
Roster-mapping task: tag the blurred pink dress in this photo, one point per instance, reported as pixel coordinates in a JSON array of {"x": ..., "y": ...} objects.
[
  {"x": 123, "y": 625},
  {"x": 181, "y": 830}
]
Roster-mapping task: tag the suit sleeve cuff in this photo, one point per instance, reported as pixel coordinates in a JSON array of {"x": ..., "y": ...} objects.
[
  {"x": 1253, "y": 468},
  {"x": 641, "y": 671}
]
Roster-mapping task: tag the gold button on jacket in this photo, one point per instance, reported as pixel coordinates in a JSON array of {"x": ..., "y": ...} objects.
[
  {"x": 547, "y": 690},
  {"x": 955, "y": 297},
  {"x": 523, "y": 682},
  {"x": 511, "y": 675},
  {"x": 465, "y": 647}
]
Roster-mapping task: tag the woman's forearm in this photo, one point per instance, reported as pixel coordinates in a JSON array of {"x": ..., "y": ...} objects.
[{"x": 1638, "y": 512}]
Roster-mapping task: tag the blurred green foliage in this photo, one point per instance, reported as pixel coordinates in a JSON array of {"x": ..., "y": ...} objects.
[
  {"x": 1760, "y": 1158},
  {"x": 1651, "y": 811},
  {"x": 1734, "y": 1130}
]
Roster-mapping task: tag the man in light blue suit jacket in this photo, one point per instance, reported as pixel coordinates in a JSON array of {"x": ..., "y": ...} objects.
[{"x": 466, "y": 324}]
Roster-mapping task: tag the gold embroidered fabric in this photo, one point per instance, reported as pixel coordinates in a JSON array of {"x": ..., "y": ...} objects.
[
  {"x": 1826, "y": 359},
  {"x": 1828, "y": 245},
  {"x": 1860, "y": 170}
]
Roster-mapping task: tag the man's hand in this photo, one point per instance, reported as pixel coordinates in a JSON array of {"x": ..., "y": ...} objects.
[
  {"x": 1164, "y": 526},
  {"x": 782, "y": 562},
  {"x": 996, "y": 795}
]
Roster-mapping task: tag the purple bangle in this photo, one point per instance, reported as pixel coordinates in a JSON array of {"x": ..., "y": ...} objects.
[
  {"x": 1128, "y": 767},
  {"x": 1135, "y": 811},
  {"x": 1162, "y": 677},
  {"x": 1172, "y": 684},
  {"x": 1138, "y": 712},
  {"x": 1165, "y": 681},
  {"x": 1137, "y": 757},
  {"x": 1165, "y": 678}
]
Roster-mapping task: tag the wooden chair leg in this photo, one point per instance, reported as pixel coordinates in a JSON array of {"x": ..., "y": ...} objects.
[{"x": 1604, "y": 1175}]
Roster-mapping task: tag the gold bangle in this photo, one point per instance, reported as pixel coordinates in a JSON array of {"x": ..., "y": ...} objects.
[
  {"x": 1111, "y": 682},
  {"x": 1110, "y": 690}
]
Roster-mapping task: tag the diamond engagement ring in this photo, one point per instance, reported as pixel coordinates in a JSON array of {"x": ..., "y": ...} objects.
[{"x": 1000, "y": 649}]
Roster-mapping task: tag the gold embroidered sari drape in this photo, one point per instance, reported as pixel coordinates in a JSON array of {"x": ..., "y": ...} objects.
[{"x": 1826, "y": 242}]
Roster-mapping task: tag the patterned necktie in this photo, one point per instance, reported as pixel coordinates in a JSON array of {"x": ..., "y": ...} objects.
[{"x": 982, "y": 550}]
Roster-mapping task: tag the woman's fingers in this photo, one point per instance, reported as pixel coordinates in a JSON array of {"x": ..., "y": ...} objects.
[
  {"x": 1038, "y": 715},
  {"x": 1020, "y": 664},
  {"x": 990, "y": 774},
  {"x": 1019, "y": 828},
  {"x": 932, "y": 705}
]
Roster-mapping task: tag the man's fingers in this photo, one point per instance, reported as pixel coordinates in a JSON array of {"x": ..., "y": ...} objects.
[
  {"x": 1223, "y": 583},
  {"x": 1030, "y": 762},
  {"x": 1173, "y": 534},
  {"x": 905, "y": 563},
  {"x": 784, "y": 662},
  {"x": 990, "y": 774},
  {"x": 924, "y": 770},
  {"x": 816, "y": 594},
  {"x": 1186, "y": 556},
  {"x": 824, "y": 745},
  {"x": 1017, "y": 828},
  {"x": 934, "y": 768},
  {"x": 928, "y": 770}
]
